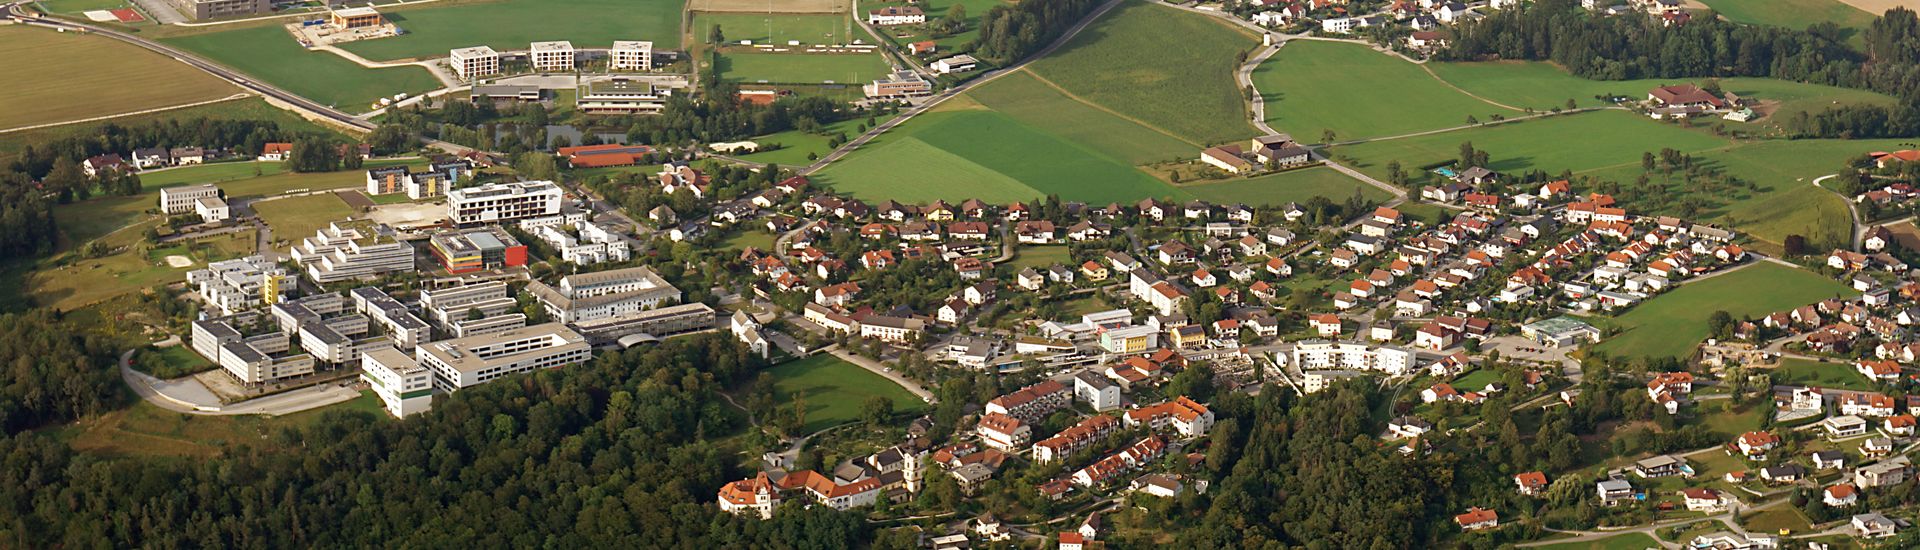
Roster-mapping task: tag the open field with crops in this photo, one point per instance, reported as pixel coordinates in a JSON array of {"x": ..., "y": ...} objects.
[
  {"x": 1024, "y": 97},
  {"x": 271, "y": 55},
  {"x": 1369, "y": 98},
  {"x": 78, "y": 76}
]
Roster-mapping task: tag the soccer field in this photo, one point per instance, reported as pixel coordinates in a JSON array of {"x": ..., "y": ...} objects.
[
  {"x": 271, "y": 55},
  {"x": 77, "y": 76},
  {"x": 1373, "y": 94},
  {"x": 776, "y": 29},
  {"x": 513, "y": 24},
  {"x": 1671, "y": 324},
  {"x": 794, "y": 68}
]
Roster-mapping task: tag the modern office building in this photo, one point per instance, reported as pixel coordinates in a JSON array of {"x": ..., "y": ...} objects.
[
  {"x": 403, "y": 385},
  {"x": 448, "y": 306},
  {"x": 488, "y": 325},
  {"x": 620, "y": 96},
  {"x": 252, "y": 360},
  {"x": 212, "y": 209},
  {"x": 898, "y": 84},
  {"x": 588, "y": 244},
  {"x": 475, "y": 62},
  {"x": 241, "y": 284},
  {"x": 556, "y": 56},
  {"x": 631, "y": 55},
  {"x": 328, "y": 331},
  {"x": 355, "y": 18},
  {"x": 401, "y": 325},
  {"x": 349, "y": 250},
  {"x": 474, "y": 360},
  {"x": 210, "y": 9},
  {"x": 180, "y": 200},
  {"x": 470, "y": 250},
  {"x": 590, "y": 296},
  {"x": 659, "y": 322},
  {"x": 499, "y": 202}
]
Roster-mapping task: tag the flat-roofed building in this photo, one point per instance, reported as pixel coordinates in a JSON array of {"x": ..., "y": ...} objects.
[
  {"x": 631, "y": 55},
  {"x": 211, "y": 9},
  {"x": 247, "y": 360},
  {"x": 240, "y": 284},
  {"x": 403, "y": 385},
  {"x": 406, "y": 329},
  {"x": 590, "y": 296},
  {"x": 488, "y": 325},
  {"x": 554, "y": 56},
  {"x": 1330, "y": 355},
  {"x": 475, "y": 62},
  {"x": 467, "y": 251},
  {"x": 352, "y": 250},
  {"x": 467, "y": 362},
  {"x": 180, "y": 200},
  {"x": 658, "y": 322},
  {"x": 212, "y": 209},
  {"x": 588, "y": 244},
  {"x": 898, "y": 84},
  {"x": 499, "y": 202},
  {"x": 355, "y": 18},
  {"x": 499, "y": 93},
  {"x": 451, "y": 305},
  {"x": 621, "y": 96}
]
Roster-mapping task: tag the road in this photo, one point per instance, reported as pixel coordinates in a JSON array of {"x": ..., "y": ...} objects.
[
  {"x": 1859, "y": 230},
  {"x": 188, "y": 396}
]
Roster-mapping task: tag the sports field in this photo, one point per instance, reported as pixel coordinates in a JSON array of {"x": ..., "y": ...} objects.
[
  {"x": 1285, "y": 187},
  {"x": 1578, "y": 142},
  {"x": 1027, "y": 99},
  {"x": 295, "y": 217},
  {"x": 979, "y": 153},
  {"x": 808, "y": 29},
  {"x": 1165, "y": 68},
  {"x": 834, "y": 391},
  {"x": 513, "y": 24},
  {"x": 764, "y": 6},
  {"x": 1794, "y": 14},
  {"x": 78, "y": 76},
  {"x": 1374, "y": 94},
  {"x": 1673, "y": 323},
  {"x": 791, "y": 68},
  {"x": 271, "y": 55}
]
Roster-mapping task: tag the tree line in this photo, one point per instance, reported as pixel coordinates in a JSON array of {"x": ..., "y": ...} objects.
[{"x": 1011, "y": 32}]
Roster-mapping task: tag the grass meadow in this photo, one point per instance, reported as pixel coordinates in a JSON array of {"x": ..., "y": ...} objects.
[
  {"x": 1284, "y": 187},
  {"x": 833, "y": 391},
  {"x": 1373, "y": 95},
  {"x": 513, "y": 24},
  {"x": 1794, "y": 14},
  {"x": 1023, "y": 96},
  {"x": 1162, "y": 67},
  {"x": 295, "y": 217},
  {"x": 78, "y": 76},
  {"x": 799, "y": 68},
  {"x": 252, "y": 108},
  {"x": 1605, "y": 139},
  {"x": 271, "y": 55},
  {"x": 1802, "y": 372},
  {"x": 795, "y": 144},
  {"x": 1673, "y": 323},
  {"x": 775, "y": 29}
]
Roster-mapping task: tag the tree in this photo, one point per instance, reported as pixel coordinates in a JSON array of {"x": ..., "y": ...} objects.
[
  {"x": 539, "y": 166},
  {"x": 1327, "y": 136},
  {"x": 877, "y": 411},
  {"x": 1720, "y": 325},
  {"x": 715, "y": 36},
  {"x": 1571, "y": 105},
  {"x": 313, "y": 154},
  {"x": 1795, "y": 245}
]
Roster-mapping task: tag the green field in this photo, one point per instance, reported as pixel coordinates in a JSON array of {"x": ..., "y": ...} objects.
[
  {"x": 513, "y": 24},
  {"x": 983, "y": 154},
  {"x": 776, "y": 29},
  {"x": 1168, "y": 69},
  {"x": 76, "y": 7},
  {"x": 1374, "y": 94},
  {"x": 295, "y": 217},
  {"x": 1793, "y": 14},
  {"x": 271, "y": 55},
  {"x": 796, "y": 68},
  {"x": 1672, "y": 323},
  {"x": 795, "y": 144},
  {"x": 86, "y": 281},
  {"x": 1279, "y": 189},
  {"x": 252, "y": 108},
  {"x": 78, "y": 76},
  {"x": 1606, "y": 139},
  {"x": 1632, "y": 541},
  {"x": 1802, "y": 372},
  {"x": 833, "y": 390},
  {"x": 84, "y": 221},
  {"x": 1042, "y": 257},
  {"x": 1025, "y": 97},
  {"x": 936, "y": 10}
]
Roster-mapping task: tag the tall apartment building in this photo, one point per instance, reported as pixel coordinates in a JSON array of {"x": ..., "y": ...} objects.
[
  {"x": 349, "y": 250},
  {"x": 591, "y": 296},
  {"x": 631, "y": 55},
  {"x": 475, "y": 62},
  {"x": 403, "y": 385},
  {"x": 233, "y": 286},
  {"x": 498, "y": 202},
  {"x": 209, "y": 9},
  {"x": 556, "y": 56},
  {"x": 474, "y": 360},
  {"x": 1323, "y": 355},
  {"x": 451, "y": 305},
  {"x": 180, "y": 200}
]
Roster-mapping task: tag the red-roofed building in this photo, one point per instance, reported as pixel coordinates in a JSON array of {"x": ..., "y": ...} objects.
[{"x": 1477, "y": 518}]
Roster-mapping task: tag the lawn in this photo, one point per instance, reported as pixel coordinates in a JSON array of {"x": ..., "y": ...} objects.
[
  {"x": 1168, "y": 69},
  {"x": 1731, "y": 422},
  {"x": 1606, "y": 139},
  {"x": 145, "y": 430},
  {"x": 1370, "y": 98},
  {"x": 752, "y": 238},
  {"x": 1476, "y": 380},
  {"x": 295, "y": 217},
  {"x": 1672, "y": 323},
  {"x": 1042, "y": 257},
  {"x": 86, "y": 281},
  {"x": 1285, "y": 187},
  {"x": 1776, "y": 519},
  {"x": 799, "y": 68},
  {"x": 77, "y": 76},
  {"x": 513, "y": 24},
  {"x": 833, "y": 391},
  {"x": 978, "y": 153},
  {"x": 1631, "y": 541},
  {"x": 796, "y": 145},
  {"x": 775, "y": 29},
  {"x": 1803, "y": 372},
  {"x": 84, "y": 221},
  {"x": 77, "y": 7},
  {"x": 1026, "y": 98},
  {"x": 271, "y": 55}
]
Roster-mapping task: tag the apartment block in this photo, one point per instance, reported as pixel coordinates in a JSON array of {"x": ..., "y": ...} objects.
[
  {"x": 213, "y": 9},
  {"x": 631, "y": 55},
  {"x": 448, "y": 306},
  {"x": 555, "y": 56},
  {"x": 587, "y": 244},
  {"x": 404, "y": 387},
  {"x": 499, "y": 202},
  {"x": 1325, "y": 355},
  {"x": 400, "y": 324},
  {"x": 466, "y": 362},
  {"x": 475, "y": 62}
]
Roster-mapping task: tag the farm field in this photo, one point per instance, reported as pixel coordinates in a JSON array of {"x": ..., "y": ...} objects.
[
  {"x": 252, "y": 108},
  {"x": 795, "y": 144},
  {"x": 1802, "y": 372},
  {"x": 1279, "y": 189},
  {"x": 834, "y": 390},
  {"x": 978, "y": 153},
  {"x": 1672, "y": 323},
  {"x": 808, "y": 29},
  {"x": 1165, "y": 68},
  {"x": 1025, "y": 97},
  {"x": 1300, "y": 103},
  {"x": 295, "y": 217},
  {"x": 513, "y": 24},
  {"x": 763, "y": 6},
  {"x": 1608, "y": 138},
  {"x": 271, "y": 55},
  {"x": 79, "y": 76},
  {"x": 1794, "y": 14},
  {"x": 783, "y": 68}
]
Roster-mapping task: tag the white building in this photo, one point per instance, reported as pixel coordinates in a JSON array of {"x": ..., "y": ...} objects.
[
  {"x": 955, "y": 64},
  {"x": 747, "y": 329},
  {"x": 233, "y": 286},
  {"x": 448, "y": 306},
  {"x": 475, "y": 62},
  {"x": 212, "y": 209},
  {"x": 351, "y": 250},
  {"x": 896, "y": 15},
  {"x": 1096, "y": 390},
  {"x": 402, "y": 326},
  {"x": 589, "y": 244},
  {"x": 498, "y": 202},
  {"x": 556, "y": 56},
  {"x": 1323, "y": 354},
  {"x": 180, "y": 200},
  {"x": 631, "y": 55},
  {"x": 403, "y": 385},
  {"x": 474, "y": 360},
  {"x": 604, "y": 294}
]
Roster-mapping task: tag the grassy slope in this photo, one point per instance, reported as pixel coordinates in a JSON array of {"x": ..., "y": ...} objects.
[
  {"x": 1604, "y": 139},
  {"x": 84, "y": 221},
  {"x": 1284, "y": 187},
  {"x": 1793, "y": 14},
  {"x": 834, "y": 390},
  {"x": 1170, "y": 69},
  {"x": 512, "y": 24},
  {"x": 1671, "y": 324},
  {"x": 1357, "y": 92},
  {"x": 77, "y": 76},
  {"x": 1026, "y": 98},
  {"x": 270, "y": 54}
]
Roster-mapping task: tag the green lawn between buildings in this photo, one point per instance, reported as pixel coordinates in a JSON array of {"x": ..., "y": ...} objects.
[
  {"x": 271, "y": 55},
  {"x": 505, "y": 25},
  {"x": 834, "y": 390},
  {"x": 295, "y": 217},
  {"x": 1802, "y": 372},
  {"x": 1672, "y": 323}
]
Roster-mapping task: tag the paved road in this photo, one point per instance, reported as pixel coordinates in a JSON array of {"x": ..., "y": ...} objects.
[
  {"x": 876, "y": 368},
  {"x": 188, "y": 396},
  {"x": 1859, "y": 229}
]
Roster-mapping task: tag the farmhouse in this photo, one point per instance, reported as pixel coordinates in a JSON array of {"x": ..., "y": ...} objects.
[
  {"x": 1683, "y": 95},
  {"x": 1226, "y": 157},
  {"x": 896, "y": 15}
]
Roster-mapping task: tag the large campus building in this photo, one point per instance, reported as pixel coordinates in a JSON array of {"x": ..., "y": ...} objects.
[
  {"x": 466, "y": 362},
  {"x": 590, "y": 296},
  {"x": 448, "y": 306},
  {"x": 622, "y": 96},
  {"x": 631, "y": 55},
  {"x": 209, "y": 9},
  {"x": 475, "y": 62},
  {"x": 471, "y": 250},
  {"x": 403, "y": 385},
  {"x": 349, "y": 250},
  {"x": 556, "y": 56},
  {"x": 498, "y": 202},
  {"x": 241, "y": 284}
]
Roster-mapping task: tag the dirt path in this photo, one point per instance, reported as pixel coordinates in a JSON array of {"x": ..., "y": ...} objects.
[
  {"x": 1436, "y": 76},
  {"x": 1083, "y": 101}
]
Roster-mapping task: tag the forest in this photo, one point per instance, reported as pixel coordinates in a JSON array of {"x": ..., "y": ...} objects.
[{"x": 1009, "y": 33}]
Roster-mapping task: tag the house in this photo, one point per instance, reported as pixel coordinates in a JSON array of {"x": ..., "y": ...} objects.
[
  {"x": 1614, "y": 491},
  {"x": 1873, "y": 525},
  {"x": 1881, "y": 474},
  {"x": 1531, "y": 483},
  {"x": 1427, "y": 40},
  {"x": 1829, "y": 460},
  {"x": 1899, "y": 426},
  {"x": 1683, "y": 95},
  {"x": 100, "y": 164},
  {"x": 1874, "y": 404},
  {"x": 1325, "y": 324},
  {"x": 1878, "y": 370},
  {"x": 1476, "y": 519},
  {"x": 1439, "y": 392},
  {"x": 1409, "y": 426},
  {"x": 1003, "y": 432},
  {"x": 1844, "y": 426},
  {"x": 1705, "y": 500},
  {"x": 276, "y": 151},
  {"x": 1226, "y": 157},
  {"x": 1094, "y": 271},
  {"x": 896, "y": 15},
  {"x": 1755, "y": 444},
  {"x": 1028, "y": 279}
]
